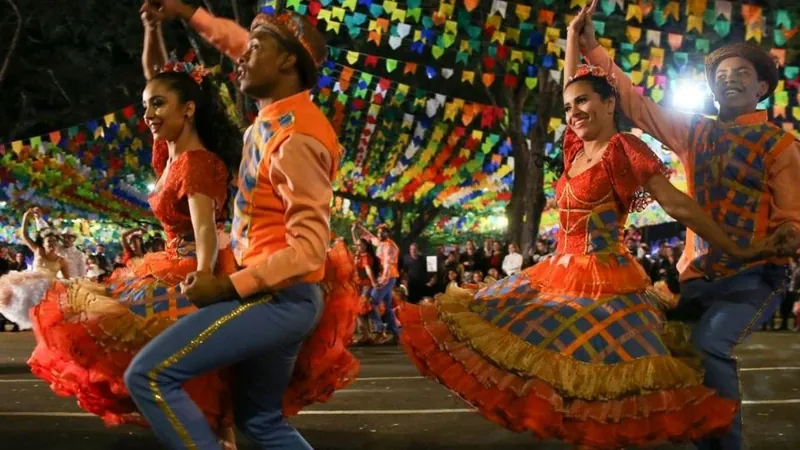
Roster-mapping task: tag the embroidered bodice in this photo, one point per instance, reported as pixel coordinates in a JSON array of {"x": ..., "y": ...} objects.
[
  {"x": 192, "y": 172},
  {"x": 46, "y": 265},
  {"x": 594, "y": 204}
]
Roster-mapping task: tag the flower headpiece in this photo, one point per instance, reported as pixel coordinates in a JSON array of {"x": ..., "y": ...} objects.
[
  {"x": 585, "y": 70},
  {"x": 196, "y": 71}
]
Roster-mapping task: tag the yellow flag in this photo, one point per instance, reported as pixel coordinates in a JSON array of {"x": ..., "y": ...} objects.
[
  {"x": 637, "y": 77},
  {"x": 352, "y": 57},
  {"x": 109, "y": 119},
  {"x": 523, "y": 12},
  {"x": 634, "y": 11},
  {"x": 553, "y": 34},
  {"x": 555, "y": 123},
  {"x": 696, "y": 7},
  {"x": 468, "y": 77},
  {"x": 333, "y": 26},
  {"x": 633, "y": 34},
  {"x": 673, "y": 9},
  {"x": 753, "y": 32},
  {"x": 694, "y": 23}
]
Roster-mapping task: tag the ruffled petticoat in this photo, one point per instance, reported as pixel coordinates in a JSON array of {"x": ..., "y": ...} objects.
[
  {"x": 21, "y": 291},
  {"x": 574, "y": 348},
  {"x": 88, "y": 333}
]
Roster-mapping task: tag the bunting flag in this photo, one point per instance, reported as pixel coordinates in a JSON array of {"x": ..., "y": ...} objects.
[{"x": 405, "y": 87}]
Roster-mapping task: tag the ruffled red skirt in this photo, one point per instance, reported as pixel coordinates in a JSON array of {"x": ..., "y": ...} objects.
[
  {"x": 526, "y": 385},
  {"x": 88, "y": 333}
]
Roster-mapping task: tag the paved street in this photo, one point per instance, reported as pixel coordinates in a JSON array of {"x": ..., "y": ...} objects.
[{"x": 389, "y": 408}]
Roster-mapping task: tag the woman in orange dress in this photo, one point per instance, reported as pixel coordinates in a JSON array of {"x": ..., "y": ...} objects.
[
  {"x": 576, "y": 347},
  {"x": 88, "y": 333}
]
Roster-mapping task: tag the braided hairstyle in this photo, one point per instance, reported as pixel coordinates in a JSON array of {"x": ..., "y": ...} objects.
[{"x": 215, "y": 129}]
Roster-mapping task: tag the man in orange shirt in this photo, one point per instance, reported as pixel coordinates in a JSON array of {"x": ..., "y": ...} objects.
[
  {"x": 743, "y": 171},
  {"x": 389, "y": 254},
  {"x": 256, "y": 320}
]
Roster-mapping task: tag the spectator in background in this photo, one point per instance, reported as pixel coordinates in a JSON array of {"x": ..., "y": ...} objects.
[
  {"x": 470, "y": 259},
  {"x": 453, "y": 278},
  {"x": 19, "y": 263},
  {"x": 100, "y": 257},
  {"x": 450, "y": 263},
  {"x": 414, "y": 266},
  {"x": 787, "y": 303},
  {"x": 486, "y": 253},
  {"x": 496, "y": 257},
  {"x": 512, "y": 263},
  {"x": 541, "y": 251},
  {"x": 5, "y": 263}
]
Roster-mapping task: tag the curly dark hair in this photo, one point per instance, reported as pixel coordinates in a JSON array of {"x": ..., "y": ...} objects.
[
  {"x": 603, "y": 88},
  {"x": 215, "y": 129},
  {"x": 376, "y": 263}
]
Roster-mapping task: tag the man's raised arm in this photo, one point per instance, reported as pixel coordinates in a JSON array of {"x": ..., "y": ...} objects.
[
  {"x": 671, "y": 128},
  {"x": 224, "y": 34}
]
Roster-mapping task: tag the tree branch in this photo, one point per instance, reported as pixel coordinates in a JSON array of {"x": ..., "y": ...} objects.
[
  {"x": 14, "y": 41},
  {"x": 58, "y": 85}
]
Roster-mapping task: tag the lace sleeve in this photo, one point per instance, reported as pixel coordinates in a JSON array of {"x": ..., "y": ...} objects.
[
  {"x": 202, "y": 172},
  {"x": 633, "y": 163},
  {"x": 159, "y": 157}
]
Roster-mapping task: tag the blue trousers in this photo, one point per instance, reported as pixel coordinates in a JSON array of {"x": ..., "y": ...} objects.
[
  {"x": 383, "y": 295},
  {"x": 732, "y": 307},
  {"x": 259, "y": 339}
]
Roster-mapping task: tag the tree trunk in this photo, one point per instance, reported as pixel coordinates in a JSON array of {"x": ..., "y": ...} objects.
[
  {"x": 527, "y": 194},
  {"x": 418, "y": 226}
]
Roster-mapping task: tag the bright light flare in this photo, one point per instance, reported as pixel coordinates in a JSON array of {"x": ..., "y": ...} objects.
[
  {"x": 690, "y": 95},
  {"x": 499, "y": 222}
]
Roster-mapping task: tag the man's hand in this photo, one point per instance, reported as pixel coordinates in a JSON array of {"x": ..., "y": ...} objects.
[
  {"x": 170, "y": 9},
  {"x": 151, "y": 19},
  {"x": 203, "y": 289},
  {"x": 787, "y": 240}
]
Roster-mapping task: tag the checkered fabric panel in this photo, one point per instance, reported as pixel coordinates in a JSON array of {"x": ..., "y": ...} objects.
[
  {"x": 729, "y": 182},
  {"x": 604, "y": 225},
  {"x": 600, "y": 331},
  {"x": 153, "y": 298}
]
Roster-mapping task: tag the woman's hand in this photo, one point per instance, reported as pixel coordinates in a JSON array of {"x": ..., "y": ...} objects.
[
  {"x": 583, "y": 27},
  {"x": 149, "y": 15},
  {"x": 579, "y": 21}
]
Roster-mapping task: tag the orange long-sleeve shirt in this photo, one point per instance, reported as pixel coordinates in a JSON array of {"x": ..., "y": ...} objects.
[{"x": 283, "y": 240}]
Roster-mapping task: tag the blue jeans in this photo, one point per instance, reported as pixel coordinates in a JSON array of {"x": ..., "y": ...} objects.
[
  {"x": 259, "y": 339},
  {"x": 733, "y": 306},
  {"x": 383, "y": 295}
]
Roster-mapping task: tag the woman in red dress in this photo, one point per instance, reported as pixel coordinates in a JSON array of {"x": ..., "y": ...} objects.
[
  {"x": 576, "y": 347},
  {"x": 87, "y": 333}
]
